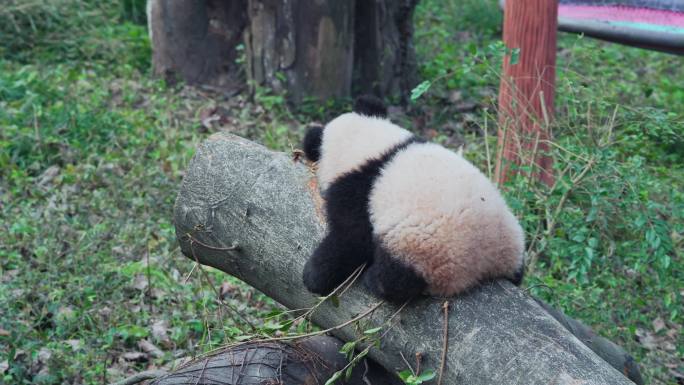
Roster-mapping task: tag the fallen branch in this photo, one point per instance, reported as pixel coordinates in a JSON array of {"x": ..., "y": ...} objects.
[
  {"x": 140, "y": 377},
  {"x": 236, "y": 192},
  {"x": 310, "y": 361}
]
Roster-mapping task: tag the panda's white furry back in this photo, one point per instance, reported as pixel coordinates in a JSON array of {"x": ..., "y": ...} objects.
[
  {"x": 420, "y": 216},
  {"x": 438, "y": 213}
]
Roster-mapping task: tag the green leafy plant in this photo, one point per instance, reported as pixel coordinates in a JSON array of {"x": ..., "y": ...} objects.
[{"x": 410, "y": 378}]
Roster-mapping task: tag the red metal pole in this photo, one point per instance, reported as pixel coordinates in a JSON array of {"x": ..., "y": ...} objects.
[{"x": 527, "y": 88}]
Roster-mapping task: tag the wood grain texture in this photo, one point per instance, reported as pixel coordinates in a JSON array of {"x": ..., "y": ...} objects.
[{"x": 236, "y": 191}]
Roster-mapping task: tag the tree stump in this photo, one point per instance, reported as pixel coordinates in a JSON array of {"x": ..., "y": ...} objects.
[
  {"x": 302, "y": 47},
  {"x": 307, "y": 49},
  {"x": 196, "y": 41}
]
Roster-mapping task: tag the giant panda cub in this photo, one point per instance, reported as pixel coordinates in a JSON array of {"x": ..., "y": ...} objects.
[{"x": 421, "y": 217}]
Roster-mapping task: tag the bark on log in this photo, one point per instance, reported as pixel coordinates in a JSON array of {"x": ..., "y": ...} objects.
[
  {"x": 238, "y": 192},
  {"x": 606, "y": 349},
  {"x": 311, "y": 361}
]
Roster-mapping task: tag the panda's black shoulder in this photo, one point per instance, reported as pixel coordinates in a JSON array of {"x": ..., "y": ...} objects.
[{"x": 369, "y": 105}]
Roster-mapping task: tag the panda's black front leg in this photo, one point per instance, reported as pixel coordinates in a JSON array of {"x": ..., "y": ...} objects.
[
  {"x": 333, "y": 261},
  {"x": 349, "y": 242}
]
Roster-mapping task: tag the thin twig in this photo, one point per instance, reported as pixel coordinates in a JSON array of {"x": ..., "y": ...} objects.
[
  {"x": 529, "y": 288},
  {"x": 552, "y": 220},
  {"x": 564, "y": 149},
  {"x": 340, "y": 326},
  {"x": 187, "y": 277},
  {"x": 339, "y": 290},
  {"x": 140, "y": 377},
  {"x": 365, "y": 351},
  {"x": 364, "y": 377},
  {"x": 445, "y": 341},
  {"x": 149, "y": 279},
  {"x": 533, "y": 159},
  {"x": 407, "y": 363},
  {"x": 419, "y": 360},
  {"x": 232, "y": 247},
  {"x": 298, "y": 336},
  {"x": 486, "y": 142},
  {"x": 204, "y": 367},
  {"x": 218, "y": 295},
  {"x": 544, "y": 112},
  {"x": 500, "y": 151}
]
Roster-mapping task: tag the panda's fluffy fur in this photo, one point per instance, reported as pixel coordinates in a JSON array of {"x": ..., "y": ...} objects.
[{"x": 421, "y": 217}]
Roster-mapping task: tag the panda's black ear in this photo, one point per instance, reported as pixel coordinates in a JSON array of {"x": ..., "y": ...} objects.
[
  {"x": 312, "y": 142},
  {"x": 370, "y": 105}
]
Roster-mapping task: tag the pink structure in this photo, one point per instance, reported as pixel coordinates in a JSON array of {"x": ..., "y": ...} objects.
[
  {"x": 652, "y": 24},
  {"x": 642, "y": 26},
  {"x": 650, "y": 19}
]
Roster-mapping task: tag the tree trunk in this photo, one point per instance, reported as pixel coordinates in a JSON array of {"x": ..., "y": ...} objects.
[
  {"x": 238, "y": 193},
  {"x": 322, "y": 49},
  {"x": 384, "y": 56},
  {"x": 527, "y": 87},
  {"x": 304, "y": 47},
  {"x": 196, "y": 41}
]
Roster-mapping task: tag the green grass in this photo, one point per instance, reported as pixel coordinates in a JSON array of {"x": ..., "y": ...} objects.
[
  {"x": 93, "y": 149},
  {"x": 614, "y": 255}
]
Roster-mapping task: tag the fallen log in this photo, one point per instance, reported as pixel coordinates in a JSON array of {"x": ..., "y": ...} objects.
[
  {"x": 311, "y": 361},
  {"x": 257, "y": 215}
]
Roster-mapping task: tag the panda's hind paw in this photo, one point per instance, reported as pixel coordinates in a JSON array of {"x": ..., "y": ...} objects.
[
  {"x": 518, "y": 275},
  {"x": 315, "y": 283}
]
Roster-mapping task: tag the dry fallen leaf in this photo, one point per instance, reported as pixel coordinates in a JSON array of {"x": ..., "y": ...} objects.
[
  {"x": 40, "y": 362},
  {"x": 140, "y": 282},
  {"x": 647, "y": 339},
  {"x": 207, "y": 112},
  {"x": 658, "y": 324},
  {"x": 75, "y": 344},
  {"x": 44, "y": 355},
  {"x": 678, "y": 375},
  {"x": 134, "y": 356},
  {"x": 207, "y": 123},
  {"x": 652, "y": 341},
  {"x": 48, "y": 175},
  {"x": 226, "y": 288},
  {"x": 149, "y": 348},
  {"x": 455, "y": 96},
  {"x": 160, "y": 332}
]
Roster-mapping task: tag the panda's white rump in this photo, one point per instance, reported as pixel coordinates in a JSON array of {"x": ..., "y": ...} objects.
[{"x": 435, "y": 211}]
